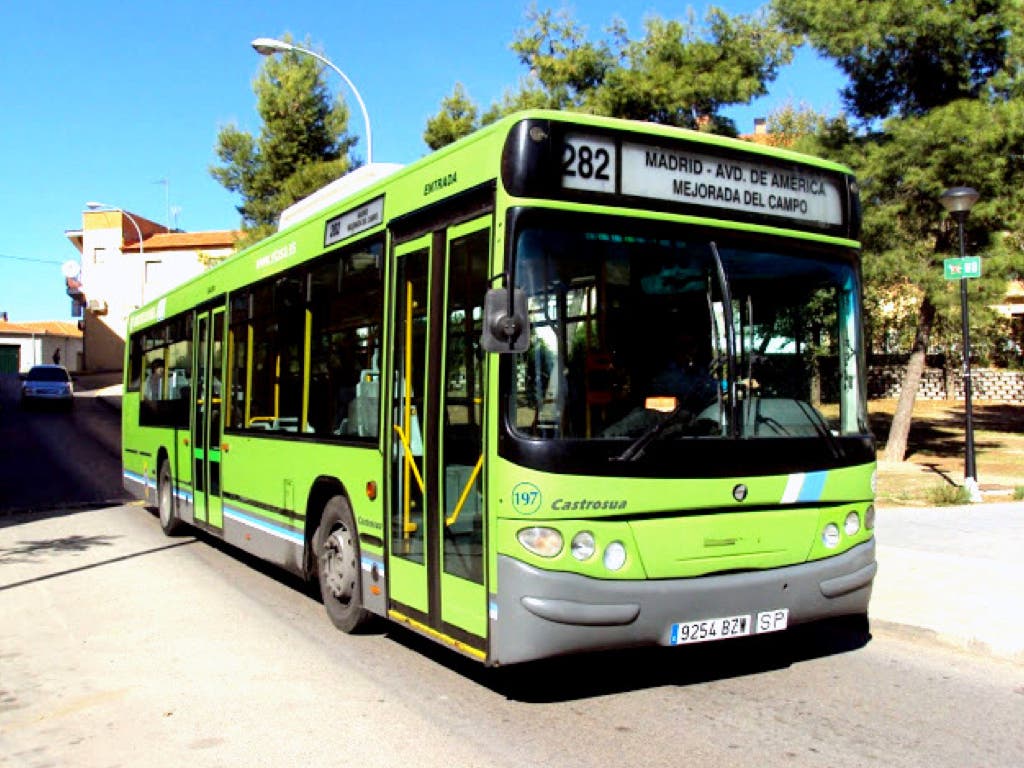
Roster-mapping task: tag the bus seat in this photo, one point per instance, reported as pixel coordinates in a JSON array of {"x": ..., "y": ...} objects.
[{"x": 363, "y": 411}]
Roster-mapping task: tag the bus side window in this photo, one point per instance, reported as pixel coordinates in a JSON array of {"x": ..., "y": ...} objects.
[{"x": 346, "y": 311}]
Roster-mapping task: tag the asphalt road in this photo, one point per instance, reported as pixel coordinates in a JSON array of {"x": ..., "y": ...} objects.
[
  {"x": 121, "y": 647},
  {"x": 54, "y": 458}
]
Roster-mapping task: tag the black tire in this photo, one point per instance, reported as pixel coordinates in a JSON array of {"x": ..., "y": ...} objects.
[
  {"x": 336, "y": 554},
  {"x": 165, "y": 500}
]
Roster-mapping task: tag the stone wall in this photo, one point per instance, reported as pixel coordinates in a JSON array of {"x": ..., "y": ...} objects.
[{"x": 986, "y": 383}]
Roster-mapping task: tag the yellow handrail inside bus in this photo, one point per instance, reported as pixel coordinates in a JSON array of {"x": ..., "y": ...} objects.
[
  {"x": 450, "y": 520},
  {"x": 407, "y": 452},
  {"x": 229, "y": 380},
  {"x": 277, "y": 384},
  {"x": 408, "y": 525},
  {"x": 306, "y": 357},
  {"x": 248, "y": 373}
]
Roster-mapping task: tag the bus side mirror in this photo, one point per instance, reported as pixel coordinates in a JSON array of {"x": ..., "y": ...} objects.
[{"x": 506, "y": 325}]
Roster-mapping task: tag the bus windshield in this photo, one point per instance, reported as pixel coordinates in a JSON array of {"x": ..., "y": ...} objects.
[{"x": 683, "y": 333}]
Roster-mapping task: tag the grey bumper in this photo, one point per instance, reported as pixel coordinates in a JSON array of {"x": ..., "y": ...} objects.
[{"x": 544, "y": 613}]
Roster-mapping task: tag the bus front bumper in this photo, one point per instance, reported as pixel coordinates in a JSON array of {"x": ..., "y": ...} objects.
[{"x": 545, "y": 613}]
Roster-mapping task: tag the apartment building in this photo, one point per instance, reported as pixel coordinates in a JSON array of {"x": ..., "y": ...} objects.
[{"x": 126, "y": 261}]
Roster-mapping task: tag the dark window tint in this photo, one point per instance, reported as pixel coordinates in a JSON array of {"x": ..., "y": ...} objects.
[{"x": 47, "y": 374}]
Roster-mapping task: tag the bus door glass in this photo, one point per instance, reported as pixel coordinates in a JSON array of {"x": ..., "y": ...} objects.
[
  {"x": 206, "y": 422},
  {"x": 407, "y": 481},
  {"x": 463, "y": 596},
  {"x": 436, "y": 563}
]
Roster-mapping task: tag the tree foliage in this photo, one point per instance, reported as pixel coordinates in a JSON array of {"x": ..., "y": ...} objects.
[
  {"x": 947, "y": 79},
  {"x": 457, "y": 118},
  {"x": 791, "y": 125},
  {"x": 302, "y": 145},
  {"x": 679, "y": 73},
  {"x": 907, "y": 57}
]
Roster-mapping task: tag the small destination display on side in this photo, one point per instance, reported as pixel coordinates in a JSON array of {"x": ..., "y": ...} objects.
[
  {"x": 592, "y": 163},
  {"x": 353, "y": 222}
]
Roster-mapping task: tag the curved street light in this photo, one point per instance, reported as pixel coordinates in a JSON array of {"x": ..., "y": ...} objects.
[
  {"x": 94, "y": 206},
  {"x": 958, "y": 201},
  {"x": 268, "y": 46}
]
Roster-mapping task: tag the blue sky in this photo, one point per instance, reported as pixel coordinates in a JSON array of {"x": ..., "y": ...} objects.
[{"x": 104, "y": 99}]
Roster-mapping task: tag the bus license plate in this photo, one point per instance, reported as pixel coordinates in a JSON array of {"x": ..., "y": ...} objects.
[
  {"x": 726, "y": 627},
  {"x": 710, "y": 629}
]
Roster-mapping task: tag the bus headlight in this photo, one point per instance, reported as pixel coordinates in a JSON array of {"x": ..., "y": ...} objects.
[
  {"x": 543, "y": 542},
  {"x": 583, "y": 545},
  {"x": 614, "y": 556},
  {"x": 830, "y": 536},
  {"x": 869, "y": 517},
  {"x": 852, "y": 524}
]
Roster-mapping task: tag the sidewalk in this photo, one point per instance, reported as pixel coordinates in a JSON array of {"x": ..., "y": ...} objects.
[
  {"x": 107, "y": 387},
  {"x": 956, "y": 573}
]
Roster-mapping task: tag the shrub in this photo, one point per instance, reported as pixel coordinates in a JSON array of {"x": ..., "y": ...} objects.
[{"x": 945, "y": 495}]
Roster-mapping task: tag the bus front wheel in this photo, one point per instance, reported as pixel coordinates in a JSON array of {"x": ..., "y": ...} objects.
[
  {"x": 165, "y": 500},
  {"x": 337, "y": 565}
]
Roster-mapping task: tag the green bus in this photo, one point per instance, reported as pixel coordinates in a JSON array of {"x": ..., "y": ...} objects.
[{"x": 570, "y": 383}]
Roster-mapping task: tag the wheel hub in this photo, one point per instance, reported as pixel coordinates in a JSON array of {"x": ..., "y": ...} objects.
[{"x": 338, "y": 565}]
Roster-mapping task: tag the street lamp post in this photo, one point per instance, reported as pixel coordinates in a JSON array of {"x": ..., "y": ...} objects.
[
  {"x": 268, "y": 46},
  {"x": 95, "y": 206},
  {"x": 958, "y": 201}
]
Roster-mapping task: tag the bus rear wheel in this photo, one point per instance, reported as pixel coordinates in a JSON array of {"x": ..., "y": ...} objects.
[
  {"x": 337, "y": 565},
  {"x": 165, "y": 500}
]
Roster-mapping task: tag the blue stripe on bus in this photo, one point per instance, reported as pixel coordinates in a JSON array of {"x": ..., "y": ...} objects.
[
  {"x": 814, "y": 485},
  {"x": 140, "y": 479},
  {"x": 143, "y": 480},
  {"x": 262, "y": 525}
]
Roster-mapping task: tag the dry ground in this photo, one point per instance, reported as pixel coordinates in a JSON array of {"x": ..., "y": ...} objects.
[{"x": 935, "y": 453}]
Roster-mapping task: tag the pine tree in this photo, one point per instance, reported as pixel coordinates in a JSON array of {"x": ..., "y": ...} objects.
[
  {"x": 303, "y": 142},
  {"x": 946, "y": 80},
  {"x": 679, "y": 73}
]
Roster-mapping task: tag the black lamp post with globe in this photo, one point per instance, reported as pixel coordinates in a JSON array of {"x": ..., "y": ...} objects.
[{"x": 958, "y": 201}]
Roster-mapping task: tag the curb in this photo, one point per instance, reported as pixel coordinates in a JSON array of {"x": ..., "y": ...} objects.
[{"x": 973, "y": 646}]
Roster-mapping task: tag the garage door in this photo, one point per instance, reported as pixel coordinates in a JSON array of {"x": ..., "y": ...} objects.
[{"x": 9, "y": 357}]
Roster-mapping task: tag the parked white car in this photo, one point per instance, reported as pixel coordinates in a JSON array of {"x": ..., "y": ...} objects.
[{"x": 48, "y": 384}]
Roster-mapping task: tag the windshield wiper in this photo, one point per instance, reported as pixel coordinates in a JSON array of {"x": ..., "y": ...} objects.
[
  {"x": 637, "y": 447},
  {"x": 821, "y": 427},
  {"x": 730, "y": 336}
]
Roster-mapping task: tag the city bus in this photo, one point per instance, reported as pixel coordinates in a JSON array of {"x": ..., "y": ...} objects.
[{"x": 570, "y": 383}]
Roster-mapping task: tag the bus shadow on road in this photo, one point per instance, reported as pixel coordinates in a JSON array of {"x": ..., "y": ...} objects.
[{"x": 588, "y": 675}]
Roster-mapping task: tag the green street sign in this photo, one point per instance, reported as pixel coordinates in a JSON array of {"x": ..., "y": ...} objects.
[{"x": 958, "y": 269}]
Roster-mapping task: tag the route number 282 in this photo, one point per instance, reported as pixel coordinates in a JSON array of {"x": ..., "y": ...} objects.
[
  {"x": 586, "y": 162},
  {"x": 589, "y": 163}
]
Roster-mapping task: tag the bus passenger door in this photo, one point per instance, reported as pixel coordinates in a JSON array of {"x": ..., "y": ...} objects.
[
  {"x": 437, "y": 561},
  {"x": 206, "y": 420},
  {"x": 463, "y": 595},
  {"x": 407, "y": 488}
]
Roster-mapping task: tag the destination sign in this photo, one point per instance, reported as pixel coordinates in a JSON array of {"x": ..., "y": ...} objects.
[
  {"x": 593, "y": 163},
  {"x": 352, "y": 222}
]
